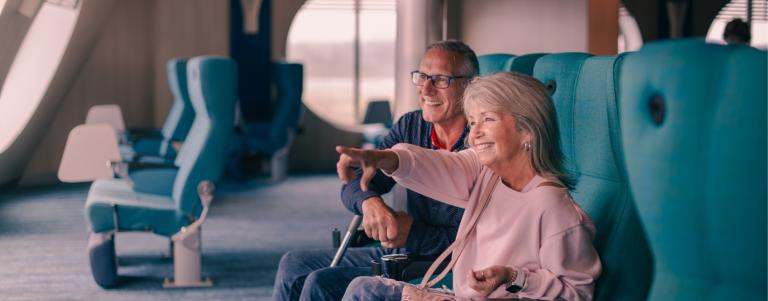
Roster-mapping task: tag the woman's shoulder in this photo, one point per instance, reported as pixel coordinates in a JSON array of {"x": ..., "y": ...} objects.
[{"x": 557, "y": 210}]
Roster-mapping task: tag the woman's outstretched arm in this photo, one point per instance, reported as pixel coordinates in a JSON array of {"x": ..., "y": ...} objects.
[{"x": 444, "y": 176}]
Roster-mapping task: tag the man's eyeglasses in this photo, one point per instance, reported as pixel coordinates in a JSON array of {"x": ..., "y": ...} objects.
[{"x": 439, "y": 81}]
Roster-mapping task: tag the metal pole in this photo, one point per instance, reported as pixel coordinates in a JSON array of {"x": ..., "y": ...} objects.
[{"x": 347, "y": 238}]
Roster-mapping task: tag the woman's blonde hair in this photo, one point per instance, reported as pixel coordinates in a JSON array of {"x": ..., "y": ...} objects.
[{"x": 528, "y": 102}]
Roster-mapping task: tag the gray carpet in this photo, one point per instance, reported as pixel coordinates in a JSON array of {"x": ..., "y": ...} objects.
[{"x": 251, "y": 224}]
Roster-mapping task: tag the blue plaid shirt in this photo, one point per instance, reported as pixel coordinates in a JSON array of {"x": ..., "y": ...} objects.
[{"x": 434, "y": 223}]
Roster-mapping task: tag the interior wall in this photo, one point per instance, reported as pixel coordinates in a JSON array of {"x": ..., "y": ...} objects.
[
  {"x": 603, "y": 26},
  {"x": 127, "y": 67},
  {"x": 185, "y": 28},
  {"x": 525, "y": 26},
  {"x": 283, "y": 12}
]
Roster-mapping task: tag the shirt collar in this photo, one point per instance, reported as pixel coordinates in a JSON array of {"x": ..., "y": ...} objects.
[{"x": 459, "y": 144}]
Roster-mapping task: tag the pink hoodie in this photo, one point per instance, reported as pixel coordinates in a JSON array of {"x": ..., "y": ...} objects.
[{"x": 539, "y": 229}]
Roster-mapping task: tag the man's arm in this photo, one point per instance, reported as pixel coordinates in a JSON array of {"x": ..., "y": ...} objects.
[
  {"x": 352, "y": 196},
  {"x": 380, "y": 222}
]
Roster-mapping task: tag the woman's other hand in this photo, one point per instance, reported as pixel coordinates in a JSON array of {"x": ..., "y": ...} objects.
[{"x": 487, "y": 280}]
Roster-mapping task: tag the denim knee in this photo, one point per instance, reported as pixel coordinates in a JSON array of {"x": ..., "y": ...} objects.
[
  {"x": 326, "y": 284},
  {"x": 373, "y": 288},
  {"x": 293, "y": 268}
]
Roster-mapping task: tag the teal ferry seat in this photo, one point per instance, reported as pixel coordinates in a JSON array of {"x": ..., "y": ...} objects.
[
  {"x": 493, "y": 63},
  {"x": 158, "y": 142},
  {"x": 693, "y": 122},
  {"x": 116, "y": 205},
  {"x": 584, "y": 91},
  {"x": 523, "y": 63},
  {"x": 273, "y": 139}
]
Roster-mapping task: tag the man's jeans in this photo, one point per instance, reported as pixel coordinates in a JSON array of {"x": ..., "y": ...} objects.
[{"x": 304, "y": 275}]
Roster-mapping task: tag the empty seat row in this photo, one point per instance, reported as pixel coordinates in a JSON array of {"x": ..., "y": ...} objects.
[{"x": 166, "y": 201}]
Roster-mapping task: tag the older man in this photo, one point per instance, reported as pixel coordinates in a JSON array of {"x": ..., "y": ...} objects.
[{"x": 429, "y": 226}]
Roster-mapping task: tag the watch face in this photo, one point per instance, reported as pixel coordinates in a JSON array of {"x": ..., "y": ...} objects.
[{"x": 514, "y": 288}]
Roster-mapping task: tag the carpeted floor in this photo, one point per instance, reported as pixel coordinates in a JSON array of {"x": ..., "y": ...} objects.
[{"x": 251, "y": 224}]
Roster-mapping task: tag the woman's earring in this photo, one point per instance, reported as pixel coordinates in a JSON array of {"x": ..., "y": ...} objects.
[{"x": 527, "y": 146}]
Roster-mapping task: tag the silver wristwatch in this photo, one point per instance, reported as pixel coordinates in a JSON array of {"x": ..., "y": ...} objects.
[{"x": 517, "y": 284}]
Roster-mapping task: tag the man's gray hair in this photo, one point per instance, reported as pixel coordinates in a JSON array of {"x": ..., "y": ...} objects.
[{"x": 470, "y": 66}]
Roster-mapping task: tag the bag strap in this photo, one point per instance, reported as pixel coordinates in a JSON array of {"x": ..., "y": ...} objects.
[{"x": 458, "y": 245}]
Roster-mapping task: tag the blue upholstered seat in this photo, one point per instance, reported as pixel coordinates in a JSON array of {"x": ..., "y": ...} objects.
[
  {"x": 493, "y": 63},
  {"x": 157, "y": 143},
  {"x": 585, "y": 98},
  {"x": 523, "y": 63},
  {"x": 377, "y": 122},
  {"x": 272, "y": 139},
  {"x": 501, "y": 62},
  {"x": 164, "y": 210},
  {"x": 269, "y": 137},
  {"x": 693, "y": 120}
]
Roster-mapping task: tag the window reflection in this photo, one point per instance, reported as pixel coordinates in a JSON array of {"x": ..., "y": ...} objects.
[
  {"x": 322, "y": 38},
  {"x": 33, "y": 68},
  {"x": 738, "y": 9}
]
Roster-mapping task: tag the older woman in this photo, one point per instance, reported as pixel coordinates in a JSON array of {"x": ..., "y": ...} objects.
[{"x": 532, "y": 240}]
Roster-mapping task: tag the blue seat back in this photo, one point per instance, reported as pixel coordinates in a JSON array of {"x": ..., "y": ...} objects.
[
  {"x": 212, "y": 90},
  {"x": 693, "y": 118},
  {"x": 523, "y": 63},
  {"x": 289, "y": 80},
  {"x": 493, "y": 63},
  {"x": 378, "y": 111},
  {"x": 179, "y": 119},
  {"x": 583, "y": 90}
]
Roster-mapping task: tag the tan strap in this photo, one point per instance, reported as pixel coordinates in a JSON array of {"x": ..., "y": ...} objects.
[{"x": 458, "y": 245}]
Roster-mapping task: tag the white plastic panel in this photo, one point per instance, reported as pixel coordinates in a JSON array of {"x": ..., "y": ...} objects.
[
  {"x": 109, "y": 114},
  {"x": 89, "y": 149}
]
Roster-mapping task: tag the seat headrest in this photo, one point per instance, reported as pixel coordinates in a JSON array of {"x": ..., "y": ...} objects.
[
  {"x": 493, "y": 63},
  {"x": 210, "y": 78}
]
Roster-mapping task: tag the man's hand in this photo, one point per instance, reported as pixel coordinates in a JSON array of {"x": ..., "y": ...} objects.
[
  {"x": 487, "y": 280},
  {"x": 404, "y": 222},
  {"x": 379, "y": 221},
  {"x": 368, "y": 160}
]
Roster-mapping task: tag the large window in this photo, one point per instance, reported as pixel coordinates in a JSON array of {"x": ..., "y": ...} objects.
[
  {"x": 348, "y": 51},
  {"x": 33, "y": 68},
  {"x": 738, "y": 9}
]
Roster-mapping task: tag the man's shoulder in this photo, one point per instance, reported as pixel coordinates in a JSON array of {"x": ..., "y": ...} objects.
[
  {"x": 411, "y": 128},
  {"x": 411, "y": 118},
  {"x": 412, "y": 122}
]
